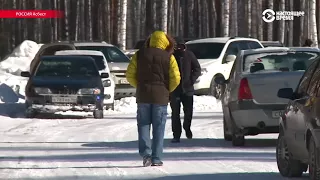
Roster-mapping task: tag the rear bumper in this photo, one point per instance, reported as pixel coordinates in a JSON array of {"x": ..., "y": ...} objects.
[
  {"x": 249, "y": 116},
  {"x": 44, "y": 103}
]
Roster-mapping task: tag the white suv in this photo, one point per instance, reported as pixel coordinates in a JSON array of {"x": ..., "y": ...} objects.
[
  {"x": 101, "y": 62},
  {"x": 216, "y": 57}
]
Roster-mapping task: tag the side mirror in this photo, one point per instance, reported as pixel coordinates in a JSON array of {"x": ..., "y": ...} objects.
[
  {"x": 231, "y": 58},
  {"x": 104, "y": 75},
  {"x": 25, "y": 74},
  {"x": 286, "y": 93},
  {"x": 220, "y": 80}
]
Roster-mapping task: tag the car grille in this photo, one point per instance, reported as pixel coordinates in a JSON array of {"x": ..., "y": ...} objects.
[
  {"x": 64, "y": 91},
  {"x": 119, "y": 73}
]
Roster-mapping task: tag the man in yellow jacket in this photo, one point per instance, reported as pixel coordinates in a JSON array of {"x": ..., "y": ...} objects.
[{"x": 154, "y": 72}]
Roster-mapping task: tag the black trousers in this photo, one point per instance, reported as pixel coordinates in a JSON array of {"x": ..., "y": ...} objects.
[{"x": 175, "y": 103}]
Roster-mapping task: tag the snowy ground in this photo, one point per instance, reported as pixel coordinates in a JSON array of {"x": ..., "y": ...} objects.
[{"x": 76, "y": 147}]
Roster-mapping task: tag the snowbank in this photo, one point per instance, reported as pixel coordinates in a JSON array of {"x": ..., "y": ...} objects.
[{"x": 20, "y": 58}]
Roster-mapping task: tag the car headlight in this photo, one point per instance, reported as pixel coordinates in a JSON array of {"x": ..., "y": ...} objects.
[
  {"x": 106, "y": 83},
  {"x": 89, "y": 91},
  {"x": 203, "y": 71},
  {"x": 42, "y": 90}
]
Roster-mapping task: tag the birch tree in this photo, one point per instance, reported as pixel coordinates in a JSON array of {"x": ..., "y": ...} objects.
[
  {"x": 313, "y": 22},
  {"x": 270, "y": 25},
  {"x": 123, "y": 25},
  {"x": 282, "y": 23},
  {"x": 164, "y": 15},
  {"x": 226, "y": 18},
  {"x": 234, "y": 19}
]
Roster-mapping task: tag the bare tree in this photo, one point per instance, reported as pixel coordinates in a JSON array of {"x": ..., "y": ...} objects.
[
  {"x": 226, "y": 17},
  {"x": 313, "y": 22},
  {"x": 234, "y": 19},
  {"x": 270, "y": 25},
  {"x": 164, "y": 15},
  {"x": 123, "y": 23},
  {"x": 282, "y": 23}
]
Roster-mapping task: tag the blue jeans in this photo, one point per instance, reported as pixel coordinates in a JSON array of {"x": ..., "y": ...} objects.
[{"x": 155, "y": 115}]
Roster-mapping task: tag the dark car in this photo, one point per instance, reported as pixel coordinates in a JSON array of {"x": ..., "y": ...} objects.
[
  {"x": 63, "y": 83},
  {"x": 299, "y": 135}
]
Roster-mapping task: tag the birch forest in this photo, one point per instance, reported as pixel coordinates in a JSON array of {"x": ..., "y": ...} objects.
[{"x": 124, "y": 22}]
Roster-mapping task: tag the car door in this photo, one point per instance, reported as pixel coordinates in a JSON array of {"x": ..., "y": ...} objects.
[
  {"x": 233, "y": 49},
  {"x": 294, "y": 124}
]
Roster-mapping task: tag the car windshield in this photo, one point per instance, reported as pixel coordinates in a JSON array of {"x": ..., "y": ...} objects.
[
  {"x": 112, "y": 54},
  {"x": 67, "y": 67},
  {"x": 278, "y": 61},
  {"x": 99, "y": 61},
  {"x": 206, "y": 50}
]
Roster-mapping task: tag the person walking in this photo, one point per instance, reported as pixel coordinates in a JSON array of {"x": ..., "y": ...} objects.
[
  {"x": 154, "y": 72},
  {"x": 190, "y": 70},
  {"x": 308, "y": 43}
]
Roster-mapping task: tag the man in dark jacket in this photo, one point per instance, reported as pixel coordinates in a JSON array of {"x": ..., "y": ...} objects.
[
  {"x": 190, "y": 70},
  {"x": 308, "y": 43}
]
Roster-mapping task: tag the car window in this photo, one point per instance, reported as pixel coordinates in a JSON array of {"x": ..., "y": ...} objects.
[
  {"x": 243, "y": 45},
  {"x": 99, "y": 61},
  {"x": 111, "y": 53},
  {"x": 67, "y": 67},
  {"x": 233, "y": 48},
  {"x": 254, "y": 45},
  {"x": 278, "y": 61},
  {"x": 206, "y": 50},
  {"x": 305, "y": 80}
]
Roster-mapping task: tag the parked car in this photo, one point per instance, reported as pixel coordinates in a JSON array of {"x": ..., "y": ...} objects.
[
  {"x": 139, "y": 44},
  {"x": 272, "y": 44},
  {"x": 216, "y": 57},
  {"x": 299, "y": 130},
  {"x": 101, "y": 62},
  {"x": 117, "y": 61},
  {"x": 250, "y": 103},
  {"x": 62, "y": 83},
  {"x": 130, "y": 52}
]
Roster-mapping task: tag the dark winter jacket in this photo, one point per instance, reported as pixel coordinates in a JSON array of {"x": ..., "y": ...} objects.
[{"x": 190, "y": 70}]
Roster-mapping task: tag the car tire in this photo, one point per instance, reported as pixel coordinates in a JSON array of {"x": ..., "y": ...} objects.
[
  {"x": 287, "y": 166},
  {"x": 238, "y": 140},
  {"x": 110, "y": 106},
  {"x": 98, "y": 114},
  {"x": 227, "y": 137},
  {"x": 314, "y": 166},
  {"x": 216, "y": 90}
]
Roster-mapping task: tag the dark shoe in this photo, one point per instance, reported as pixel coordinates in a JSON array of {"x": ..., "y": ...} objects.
[
  {"x": 189, "y": 134},
  {"x": 175, "y": 140},
  {"x": 157, "y": 164},
  {"x": 147, "y": 161}
]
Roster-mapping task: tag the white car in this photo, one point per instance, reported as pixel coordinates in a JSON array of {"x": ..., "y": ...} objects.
[
  {"x": 216, "y": 57},
  {"x": 108, "y": 83}
]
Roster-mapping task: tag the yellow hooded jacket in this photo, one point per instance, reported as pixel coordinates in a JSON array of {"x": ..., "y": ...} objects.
[{"x": 159, "y": 40}]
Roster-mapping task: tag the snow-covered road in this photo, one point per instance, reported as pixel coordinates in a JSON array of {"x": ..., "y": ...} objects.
[{"x": 66, "y": 149}]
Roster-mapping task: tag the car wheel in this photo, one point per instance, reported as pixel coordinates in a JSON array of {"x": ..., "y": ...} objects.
[
  {"x": 314, "y": 166},
  {"x": 287, "y": 166},
  {"x": 98, "y": 114},
  {"x": 238, "y": 140},
  {"x": 29, "y": 113},
  {"x": 216, "y": 90},
  {"x": 227, "y": 137},
  {"x": 110, "y": 106}
]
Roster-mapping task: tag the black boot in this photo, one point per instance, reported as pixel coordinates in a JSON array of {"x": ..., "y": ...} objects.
[
  {"x": 147, "y": 161},
  {"x": 189, "y": 134}
]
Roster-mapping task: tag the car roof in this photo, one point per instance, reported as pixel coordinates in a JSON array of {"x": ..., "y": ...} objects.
[
  {"x": 219, "y": 40},
  {"x": 279, "y": 49},
  {"x": 92, "y": 44},
  {"x": 79, "y": 52}
]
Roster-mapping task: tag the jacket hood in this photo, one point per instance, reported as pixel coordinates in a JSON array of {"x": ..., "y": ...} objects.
[{"x": 158, "y": 39}]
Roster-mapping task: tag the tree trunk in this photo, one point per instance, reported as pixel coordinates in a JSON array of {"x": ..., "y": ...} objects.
[
  {"x": 282, "y": 23},
  {"x": 234, "y": 19},
  {"x": 270, "y": 25},
  {"x": 226, "y": 18},
  {"x": 249, "y": 17},
  {"x": 313, "y": 22},
  {"x": 259, "y": 20},
  {"x": 302, "y": 22},
  {"x": 77, "y": 21},
  {"x": 212, "y": 17},
  {"x": 123, "y": 23},
  {"x": 164, "y": 16},
  {"x": 290, "y": 32},
  {"x": 254, "y": 19},
  {"x": 66, "y": 19}
]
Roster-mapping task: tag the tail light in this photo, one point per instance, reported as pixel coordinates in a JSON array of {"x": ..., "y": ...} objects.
[{"x": 244, "y": 90}]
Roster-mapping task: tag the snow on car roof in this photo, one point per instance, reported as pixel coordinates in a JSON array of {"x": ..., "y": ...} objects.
[
  {"x": 79, "y": 52},
  {"x": 92, "y": 44},
  {"x": 219, "y": 40}
]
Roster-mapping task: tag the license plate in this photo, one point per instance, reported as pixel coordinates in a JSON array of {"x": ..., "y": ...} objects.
[
  {"x": 64, "y": 99},
  {"x": 124, "y": 81},
  {"x": 277, "y": 114}
]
